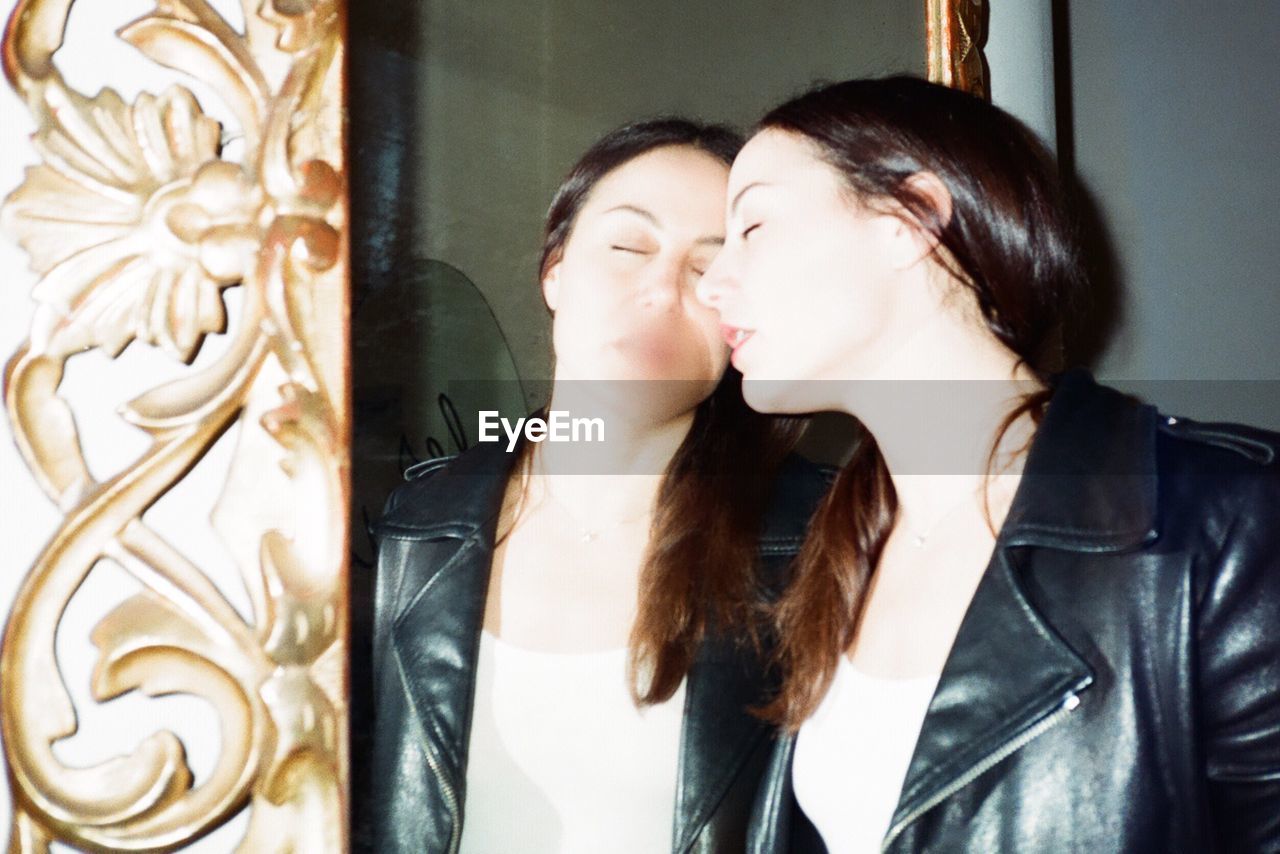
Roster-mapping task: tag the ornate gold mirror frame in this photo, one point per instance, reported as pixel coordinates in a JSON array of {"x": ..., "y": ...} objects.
[
  {"x": 135, "y": 223},
  {"x": 956, "y": 31}
]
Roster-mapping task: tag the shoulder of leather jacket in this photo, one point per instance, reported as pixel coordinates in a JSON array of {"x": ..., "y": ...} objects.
[
  {"x": 426, "y": 468},
  {"x": 1253, "y": 443},
  {"x": 415, "y": 475}
]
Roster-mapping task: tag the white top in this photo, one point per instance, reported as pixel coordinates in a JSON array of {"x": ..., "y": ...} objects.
[
  {"x": 562, "y": 761},
  {"x": 852, "y": 754}
]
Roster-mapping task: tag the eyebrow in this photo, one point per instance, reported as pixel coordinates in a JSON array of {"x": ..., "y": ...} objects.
[
  {"x": 710, "y": 240},
  {"x": 733, "y": 206},
  {"x": 638, "y": 211}
]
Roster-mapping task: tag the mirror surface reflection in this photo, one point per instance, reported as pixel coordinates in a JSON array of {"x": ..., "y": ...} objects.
[{"x": 464, "y": 118}]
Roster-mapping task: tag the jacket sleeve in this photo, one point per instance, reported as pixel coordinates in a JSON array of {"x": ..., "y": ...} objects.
[
  {"x": 368, "y": 642},
  {"x": 388, "y": 776},
  {"x": 1238, "y": 637}
]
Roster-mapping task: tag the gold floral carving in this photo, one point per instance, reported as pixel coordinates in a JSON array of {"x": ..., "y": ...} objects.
[
  {"x": 136, "y": 222},
  {"x": 956, "y": 31}
]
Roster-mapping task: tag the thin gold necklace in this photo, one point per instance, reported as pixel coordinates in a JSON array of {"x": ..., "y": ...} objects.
[
  {"x": 590, "y": 533},
  {"x": 920, "y": 536}
]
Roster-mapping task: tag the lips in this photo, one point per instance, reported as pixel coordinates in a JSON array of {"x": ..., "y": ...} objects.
[{"x": 735, "y": 336}]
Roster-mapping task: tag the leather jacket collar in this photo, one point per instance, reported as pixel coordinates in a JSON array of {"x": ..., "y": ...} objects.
[
  {"x": 435, "y": 635},
  {"x": 1082, "y": 494}
]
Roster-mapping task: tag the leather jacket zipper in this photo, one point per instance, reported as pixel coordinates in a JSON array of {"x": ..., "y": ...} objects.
[
  {"x": 451, "y": 799},
  {"x": 1065, "y": 707},
  {"x": 446, "y": 787}
]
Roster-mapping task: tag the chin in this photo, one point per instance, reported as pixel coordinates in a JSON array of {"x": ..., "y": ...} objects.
[
  {"x": 775, "y": 397},
  {"x": 647, "y": 392}
]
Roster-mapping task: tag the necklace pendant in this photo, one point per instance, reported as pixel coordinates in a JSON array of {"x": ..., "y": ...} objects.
[{"x": 589, "y": 536}]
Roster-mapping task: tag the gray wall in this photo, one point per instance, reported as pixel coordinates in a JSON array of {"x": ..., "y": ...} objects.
[{"x": 1175, "y": 116}]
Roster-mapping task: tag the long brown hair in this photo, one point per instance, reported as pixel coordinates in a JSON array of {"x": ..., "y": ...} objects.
[
  {"x": 1008, "y": 240},
  {"x": 698, "y": 574}
]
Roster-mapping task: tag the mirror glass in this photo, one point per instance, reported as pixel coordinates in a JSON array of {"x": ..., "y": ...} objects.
[{"x": 463, "y": 119}]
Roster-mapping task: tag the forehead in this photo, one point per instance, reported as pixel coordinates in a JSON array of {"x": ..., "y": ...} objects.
[
  {"x": 671, "y": 174},
  {"x": 778, "y": 157}
]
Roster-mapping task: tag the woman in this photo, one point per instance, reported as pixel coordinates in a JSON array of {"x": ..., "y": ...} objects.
[
  {"x": 564, "y": 644},
  {"x": 1031, "y": 614}
]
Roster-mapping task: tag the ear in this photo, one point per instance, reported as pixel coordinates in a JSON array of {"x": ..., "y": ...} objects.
[
  {"x": 928, "y": 187},
  {"x": 551, "y": 286}
]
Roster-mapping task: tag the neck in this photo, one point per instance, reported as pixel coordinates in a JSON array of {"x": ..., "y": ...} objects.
[
  {"x": 618, "y": 478},
  {"x": 953, "y": 386}
]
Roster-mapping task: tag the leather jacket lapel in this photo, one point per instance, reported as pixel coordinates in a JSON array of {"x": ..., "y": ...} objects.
[
  {"x": 446, "y": 555},
  {"x": 718, "y": 734},
  {"x": 979, "y": 714},
  {"x": 436, "y": 641},
  {"x": 1079, "y": 493},
  {"x": 1010, "y": 675}
]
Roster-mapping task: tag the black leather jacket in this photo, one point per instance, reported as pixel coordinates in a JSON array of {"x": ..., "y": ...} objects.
[
  {"x": 1115, "y": 683},
  {"x": 435, "y": 547}
]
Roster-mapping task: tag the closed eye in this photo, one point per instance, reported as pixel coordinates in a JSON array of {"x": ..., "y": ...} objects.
[
  {"x": 632, "y": 249},
  {"x": 747, "y": 231}
]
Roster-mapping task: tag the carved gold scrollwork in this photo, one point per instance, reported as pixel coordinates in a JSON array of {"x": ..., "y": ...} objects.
[
  {"x": 956, "y": 31},
  {"x": 135, "y": 224}
]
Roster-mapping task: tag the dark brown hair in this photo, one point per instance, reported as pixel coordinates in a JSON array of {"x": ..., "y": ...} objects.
[
  {"x": 699, "y": 571},
  {"x": 1008, "y": 240}
]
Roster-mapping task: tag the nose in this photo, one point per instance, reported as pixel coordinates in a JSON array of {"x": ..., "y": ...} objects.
[
  {"x": 662, "y": 284},
  {"x": 715, "y": 281}
]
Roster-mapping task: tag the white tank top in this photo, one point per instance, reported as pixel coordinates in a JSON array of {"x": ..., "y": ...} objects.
[
  {"x": 852, "y": 754},
  {"x": 562, "y": 761}
]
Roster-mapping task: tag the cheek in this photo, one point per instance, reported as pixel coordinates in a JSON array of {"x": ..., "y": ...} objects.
[
  {"x": 807, "y": 286},
  {"x": 698, "y": 351},
  {"x": 837, "y": 286},
  {"x": 816, "y": 308},
  {"x": 814, "y": 317},
  {"x": 586, "y": 286},
  {"x": 578, "y": 326},
  {"x": 598, "y": 332},
  {"x": 588, "y": 298}
]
